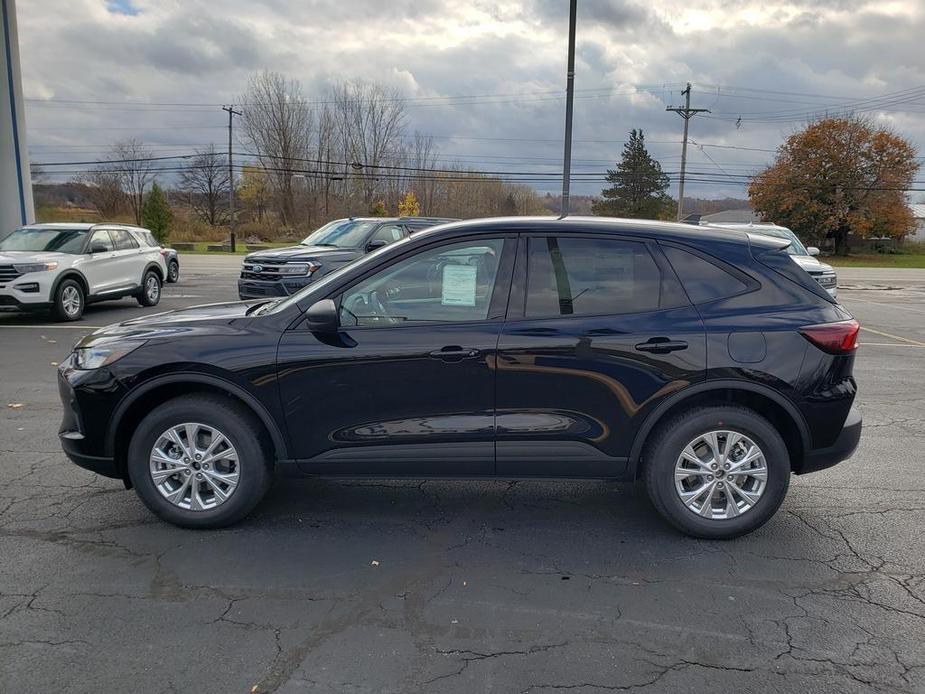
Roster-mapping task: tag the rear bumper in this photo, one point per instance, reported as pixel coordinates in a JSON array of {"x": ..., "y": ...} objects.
[{"x": 843, "y": 448}]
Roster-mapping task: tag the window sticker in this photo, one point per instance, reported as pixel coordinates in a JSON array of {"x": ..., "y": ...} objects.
[
  {"x": 459, "y": 285},
  {"x": 396, "y": 234}
]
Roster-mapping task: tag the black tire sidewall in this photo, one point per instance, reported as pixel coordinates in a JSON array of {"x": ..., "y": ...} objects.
[
  {"x": 173, "y": 271},
  {"x": 254, "y": 473},
  {"x": 58, "y": 307},
  {"x": 143, "y": 294},
  {"x": 681, "y": 431}
]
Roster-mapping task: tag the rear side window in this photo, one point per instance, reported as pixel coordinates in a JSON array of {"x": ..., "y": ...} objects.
[
  {"x": 123, "y": 240},
  {"x": 703, "y": 280},
  {"x": 782, "y": 263},
  {"x": 587, "y": 276}
]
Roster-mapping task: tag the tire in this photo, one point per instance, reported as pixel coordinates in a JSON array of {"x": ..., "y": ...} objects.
[
  {"x": 173, "y": 272},
  {"x": 69, "y": 301},
  {"x": 150, "y": 292},
  {"x": 719, "y": 521},
  {"x": 206, "y": 414}
]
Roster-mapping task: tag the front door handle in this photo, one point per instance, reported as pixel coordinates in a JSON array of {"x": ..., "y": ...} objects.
[
  {"x": 661, "y": 345},
  {"x": 454, "y": 353}
]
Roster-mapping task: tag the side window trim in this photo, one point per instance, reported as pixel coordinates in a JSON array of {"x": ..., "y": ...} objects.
[{"x": 108, "y": 232}]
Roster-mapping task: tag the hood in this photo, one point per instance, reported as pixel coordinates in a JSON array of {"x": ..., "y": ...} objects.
[
  {"x": 320, "y": 253},
  {"x": 811, "y": 264},
  {"x": 212, "y": 319},
  {"x": 10, "y": 257}
]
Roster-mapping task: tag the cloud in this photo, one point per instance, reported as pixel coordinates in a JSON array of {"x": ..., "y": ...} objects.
[{"x": 768, "y": 62}]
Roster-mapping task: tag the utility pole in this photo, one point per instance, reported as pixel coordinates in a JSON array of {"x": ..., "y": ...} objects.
[
  {"x": 569, "y": 96},
  {"x": 686, "y": 113},
  {"x": 231, "y": 114}
]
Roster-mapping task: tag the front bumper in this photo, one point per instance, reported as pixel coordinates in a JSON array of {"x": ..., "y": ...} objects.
[
  {"x": 261, "y": 289},
  {"x": 32, "y": 290},
  {"x": 84, "y": 446},
  {"x": 842, "y": 449}
]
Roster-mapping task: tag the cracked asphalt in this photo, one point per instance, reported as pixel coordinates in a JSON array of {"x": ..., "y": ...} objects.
[{"x": 378, "y": 586}]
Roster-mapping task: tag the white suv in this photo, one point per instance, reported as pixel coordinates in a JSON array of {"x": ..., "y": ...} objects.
[{"x": 63, "y": 267}]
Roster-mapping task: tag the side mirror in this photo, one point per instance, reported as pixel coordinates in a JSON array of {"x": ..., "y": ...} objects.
[
  {"x": 812, "y": 250},
  {"x": 99, "y": 248},
  {"x": 373, "y": 245},
  {"x": 322, "y": 317}
]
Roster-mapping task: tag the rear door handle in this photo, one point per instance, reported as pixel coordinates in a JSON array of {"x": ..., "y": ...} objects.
[
  {"x": 661, "y": 345},
  {"x": 454, "y": 353}
]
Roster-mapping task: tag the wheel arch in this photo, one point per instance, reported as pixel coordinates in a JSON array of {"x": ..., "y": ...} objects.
[
  {"x": 157, "y": 269},
  {"x": 74, "y": 274},
  {"x": 774, "y": 406},
  {"x": 132, "y": 409}
]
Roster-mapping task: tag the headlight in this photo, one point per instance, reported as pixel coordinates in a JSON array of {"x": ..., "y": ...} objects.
[
  {"x": 25, "y": 268},
  {"x": 298, "y": 268},
  {"x": 87, "y": 358}
]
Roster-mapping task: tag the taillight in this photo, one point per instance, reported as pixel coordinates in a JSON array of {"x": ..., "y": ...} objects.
[
  {"x": 164, "y": 253},
  {"x": 834, "y": 338}
]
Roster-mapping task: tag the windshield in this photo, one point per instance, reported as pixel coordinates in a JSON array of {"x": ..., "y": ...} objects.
[
  {"x": 35, "y": 239},
  {"x": 340, "y": 233},
  {"x": 796, "y": 246}
]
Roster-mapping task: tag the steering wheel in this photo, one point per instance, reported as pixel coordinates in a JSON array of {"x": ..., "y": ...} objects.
[{"x": 380, "y": 307}]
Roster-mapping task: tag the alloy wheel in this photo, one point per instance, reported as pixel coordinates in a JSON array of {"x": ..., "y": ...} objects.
[
  {"x": 721, "y": 475},
  {"x": 194, "y": 466},
  {"x": 152, "y": 288},
  {"x": 70, "y": 300}
]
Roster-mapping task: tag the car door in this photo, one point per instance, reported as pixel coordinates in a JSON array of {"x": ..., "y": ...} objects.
[
  {"x": 598, "y": 332},
  {"x": 100, "y": 267},
  {"x": 406, "y": 386},
  {"x": 130, "y": 260}
]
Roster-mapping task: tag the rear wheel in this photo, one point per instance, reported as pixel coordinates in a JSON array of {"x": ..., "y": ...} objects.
[
  {"x": 150, "y": 294},
  {"x": 198, "y": 462},
  {"x": 69, "y": 301},
  {"x": 173, "y": 272},
  {"x": 717, "y": 472}
]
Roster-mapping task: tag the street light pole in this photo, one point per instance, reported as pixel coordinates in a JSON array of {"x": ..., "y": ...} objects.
[{"x": 569, "y": 97}]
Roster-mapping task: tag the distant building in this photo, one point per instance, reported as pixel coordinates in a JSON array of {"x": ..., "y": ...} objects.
[{"x": 918, "y": 211}]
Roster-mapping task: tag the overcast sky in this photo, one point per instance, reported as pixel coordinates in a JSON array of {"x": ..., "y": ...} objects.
[{"x": 768, "y": 63}]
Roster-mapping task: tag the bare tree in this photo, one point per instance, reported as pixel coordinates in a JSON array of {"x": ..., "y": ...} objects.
[
  {"x": 371, "y": 124},
  {"x": 277, "y": 124},
  {"x": 205, "y": 181},
  {"x": 131, "y": 162},
  {"x": 104, "y": 190}
]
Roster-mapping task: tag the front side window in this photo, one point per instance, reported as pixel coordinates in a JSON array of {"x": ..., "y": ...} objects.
[
  {"x": 51, "y": 240},
  {"x": 449, "y": 284},
  {"x": 123, "y": 240},
  {"x": 389, "y": 233},
  {"x": 101, "y": 240},
  {"x": 588, "y": 276}
]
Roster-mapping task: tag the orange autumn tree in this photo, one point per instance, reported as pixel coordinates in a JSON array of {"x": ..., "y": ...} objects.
[{"x": 839, "y": 175}]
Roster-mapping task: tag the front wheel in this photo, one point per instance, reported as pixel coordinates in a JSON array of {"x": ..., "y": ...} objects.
[
  {"x": 717, "y": 472},
  {"x": 68, "y": 302},
  {"x": 150, "y": 294},
  {"x": 198, "y": 462}
]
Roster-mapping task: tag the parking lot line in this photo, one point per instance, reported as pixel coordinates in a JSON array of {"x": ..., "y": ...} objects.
[
  {"x": 893, "y": 337},
  {"x": 880, "y": 303}
]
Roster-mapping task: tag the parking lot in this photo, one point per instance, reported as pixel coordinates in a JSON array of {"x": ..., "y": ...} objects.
[{"x": 379, "y": 586}]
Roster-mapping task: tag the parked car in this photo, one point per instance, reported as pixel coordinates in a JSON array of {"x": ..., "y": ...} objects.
[
  {"x": 283, "y": 271},
  {"x": 805, "y": 257},
  {"x": 700, "y": 360},
  {"x": 171, "y": 257},
  {"x": 64, "y": 267}
]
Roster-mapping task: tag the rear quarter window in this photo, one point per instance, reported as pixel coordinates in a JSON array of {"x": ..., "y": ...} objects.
[
  {"x": 783, "y": 264},
  {"x": 704, "y": 280}
]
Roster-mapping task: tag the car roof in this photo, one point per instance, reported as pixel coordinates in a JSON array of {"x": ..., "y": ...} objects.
[
  {"x": 676, "y": 231},
  {"x": 84, "y": 226}
]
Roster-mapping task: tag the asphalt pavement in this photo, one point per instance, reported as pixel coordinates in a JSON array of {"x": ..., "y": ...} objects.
[{"x": 380, "y": 586}]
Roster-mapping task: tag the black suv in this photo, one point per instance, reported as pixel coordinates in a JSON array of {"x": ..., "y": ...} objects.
[
  {"x": 284, "y": 271},
  {"x": 704, "y": 361}
]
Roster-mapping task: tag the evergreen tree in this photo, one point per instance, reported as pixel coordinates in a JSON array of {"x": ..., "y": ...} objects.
[
  {"x": 156, "y": 215},
  {"x": 637, "y": 184}
]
